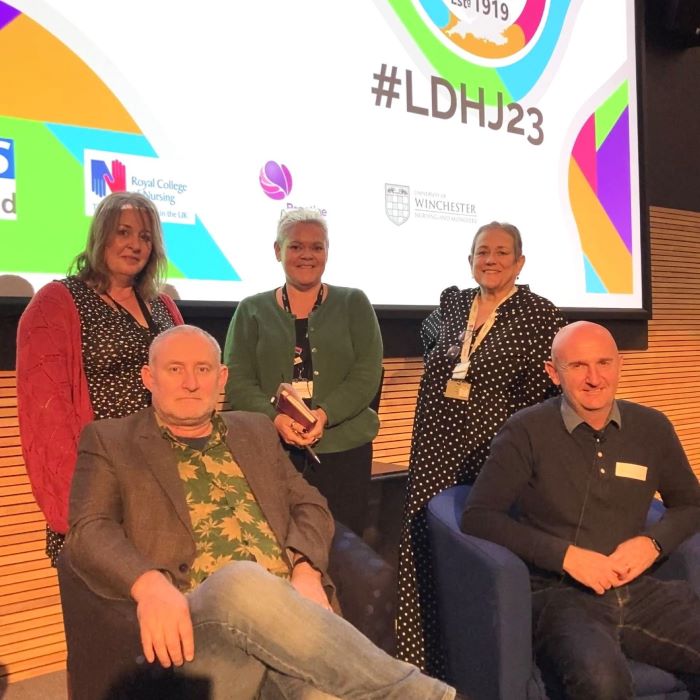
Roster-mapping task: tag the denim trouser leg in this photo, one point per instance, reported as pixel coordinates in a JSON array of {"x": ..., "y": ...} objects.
[
  {"x": 227, "y": 671},
  {"x": 248, "y": 610},
  {"x": 584, "y": 639},
  {"x": 576, "y": 643},
  {"x": 277, "y": 686},
  {"x": 662, "y": 627}
]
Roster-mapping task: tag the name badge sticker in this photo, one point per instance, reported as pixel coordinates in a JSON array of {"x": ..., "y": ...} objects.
[{"x": 631, "y": 471}]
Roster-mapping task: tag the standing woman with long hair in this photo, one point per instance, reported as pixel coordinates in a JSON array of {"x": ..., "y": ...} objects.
[{"x": 81, "y": 343}]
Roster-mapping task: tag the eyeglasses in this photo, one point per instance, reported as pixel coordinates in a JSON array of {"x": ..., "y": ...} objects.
[{"x": 455, "y": 350}]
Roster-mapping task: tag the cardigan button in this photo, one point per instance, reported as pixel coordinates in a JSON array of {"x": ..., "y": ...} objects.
[
  {"x": 313, "y": 349},
  {"x": 315, "y": 373}
]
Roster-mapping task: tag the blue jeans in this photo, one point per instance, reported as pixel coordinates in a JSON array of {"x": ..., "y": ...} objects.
[
  {"x": 581, "y": 639},
  {"x": 256, "y": 637}
]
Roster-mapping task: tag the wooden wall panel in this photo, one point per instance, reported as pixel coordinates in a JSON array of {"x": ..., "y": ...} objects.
[
  {"x": 31, "y": 624},
  {"x": 666, "y": 376}
]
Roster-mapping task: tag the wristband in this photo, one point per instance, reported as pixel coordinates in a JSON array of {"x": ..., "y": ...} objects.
[{"x": 300, "y": 560}]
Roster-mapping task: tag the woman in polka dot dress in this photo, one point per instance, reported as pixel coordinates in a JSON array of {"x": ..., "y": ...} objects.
[
  {"x": 484, "y": 360},
  {"x": 81, "y": 343}
]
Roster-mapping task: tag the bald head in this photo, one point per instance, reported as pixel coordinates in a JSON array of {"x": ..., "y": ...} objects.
[
  {"x": 580, "y": 333},
  {"x": 586, "y": 364}
]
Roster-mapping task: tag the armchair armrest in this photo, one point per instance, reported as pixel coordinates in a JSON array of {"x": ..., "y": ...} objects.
[
  {"x": 682, "y": 564},
  {"x": 366, "y": 587},
  {"x": 483, "y": 593}
]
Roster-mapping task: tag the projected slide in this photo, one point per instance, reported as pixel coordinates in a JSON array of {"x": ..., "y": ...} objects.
[{"x": 408, "y": 123}]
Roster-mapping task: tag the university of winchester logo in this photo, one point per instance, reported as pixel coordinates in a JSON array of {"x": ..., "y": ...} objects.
[{"x": 397, "y": 203}]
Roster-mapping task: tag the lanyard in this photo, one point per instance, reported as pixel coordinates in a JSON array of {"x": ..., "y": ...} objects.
[
  {"x": 144, "y": 310},
  {"x": 469, "y": 348},
  {"x": 287, "y": 306}
]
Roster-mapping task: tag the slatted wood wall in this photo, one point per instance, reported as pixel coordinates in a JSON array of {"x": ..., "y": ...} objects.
[
  {"x": 666, "y": 376},
  {"x": 31, "y": 623}
]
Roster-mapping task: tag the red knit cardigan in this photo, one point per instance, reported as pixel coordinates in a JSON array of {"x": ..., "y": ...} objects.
[{"x": 53, "y": 402}]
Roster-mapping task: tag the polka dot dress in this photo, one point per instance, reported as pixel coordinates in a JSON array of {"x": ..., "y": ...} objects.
[
  {"x": 451, "y": 438},
  {"x": 114, "y": 349}
]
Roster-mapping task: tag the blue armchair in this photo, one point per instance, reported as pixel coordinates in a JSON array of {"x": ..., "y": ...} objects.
[{"x": 483, "y": 593}]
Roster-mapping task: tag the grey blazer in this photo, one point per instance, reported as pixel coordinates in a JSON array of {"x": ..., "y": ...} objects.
[{"x": 128, "y": 512}]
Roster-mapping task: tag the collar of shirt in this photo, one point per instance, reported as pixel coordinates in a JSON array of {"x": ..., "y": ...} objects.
[
  {"x": 219, "y": 429},
  {"x": 572, "y": 419}
]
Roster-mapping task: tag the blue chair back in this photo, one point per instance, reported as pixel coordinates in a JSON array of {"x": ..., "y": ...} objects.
[{"x": 483, "y": 593}]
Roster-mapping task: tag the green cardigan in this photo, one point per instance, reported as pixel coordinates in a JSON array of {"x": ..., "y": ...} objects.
[{"x": 347, "y": 358}]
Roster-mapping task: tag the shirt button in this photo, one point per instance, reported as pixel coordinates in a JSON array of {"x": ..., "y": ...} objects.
[
  {"x": 600, "y": 454},
  {"x": 184, "y": 568},
  {"x": 602, "y": 471}
]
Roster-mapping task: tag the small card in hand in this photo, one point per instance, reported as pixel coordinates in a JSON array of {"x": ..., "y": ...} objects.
[{"x": 288, "y": 401}]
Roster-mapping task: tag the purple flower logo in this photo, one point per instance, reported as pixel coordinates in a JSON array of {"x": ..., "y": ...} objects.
[{"x": 276, "y": 180}]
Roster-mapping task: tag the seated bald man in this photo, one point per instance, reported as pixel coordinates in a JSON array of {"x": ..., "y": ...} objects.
[
  {"x": 583, "y": 469},
  {"x": 201, "y": 519}
]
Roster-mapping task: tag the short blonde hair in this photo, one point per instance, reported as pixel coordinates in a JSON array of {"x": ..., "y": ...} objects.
[{"x": 292, "y": 217}]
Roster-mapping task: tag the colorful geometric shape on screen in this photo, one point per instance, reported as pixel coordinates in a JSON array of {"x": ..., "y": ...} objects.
[
  {"x": 584, "y": 152},
  {"x": 599, "y": 194},
  {"x": 609, "y": 113},
  {"x": 55, "y": 107},
  {"x": 460, "y": 53},
  {"x": 74, "y": 138},
  {"x": 514, "y": 34},
  {"x": 49, "y": 83},
  {"x": 593, "y": 282},
  {"x": 614, "y": 177},
  {"x": 521, "y": 76},
  {"x": 51, "y": 227},
  {"x": 192, "y": 249},
  {"x": 7, "y": 14}
]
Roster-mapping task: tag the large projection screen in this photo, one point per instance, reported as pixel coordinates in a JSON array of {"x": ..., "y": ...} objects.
[{"x": 407, "y": 122}]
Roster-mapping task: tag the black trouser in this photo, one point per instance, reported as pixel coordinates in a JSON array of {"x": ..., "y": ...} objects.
[
  {"x": 581, "y": 638},
  {"x": 343, "y": 478}
]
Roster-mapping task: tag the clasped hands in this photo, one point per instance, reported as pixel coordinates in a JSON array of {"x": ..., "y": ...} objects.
[
  {"x": 294, "y": 434},
  {"x": 600, "y": 572}
]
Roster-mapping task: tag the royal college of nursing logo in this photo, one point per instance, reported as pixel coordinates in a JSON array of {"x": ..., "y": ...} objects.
[
  {"x": 103, "y": 177},
  {"x": 397, "y": 203}
]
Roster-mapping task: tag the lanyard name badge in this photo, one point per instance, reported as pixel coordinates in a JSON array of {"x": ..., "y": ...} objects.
[
  {"x": 458, "y": 387},
  {"x": 304, "y": 387}
]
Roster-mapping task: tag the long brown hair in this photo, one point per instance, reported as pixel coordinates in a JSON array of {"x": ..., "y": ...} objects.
[{"x": 90, "y": 265}]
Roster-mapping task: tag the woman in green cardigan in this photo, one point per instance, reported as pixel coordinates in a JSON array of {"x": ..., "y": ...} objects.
[{"x": 326, "y": 341}]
